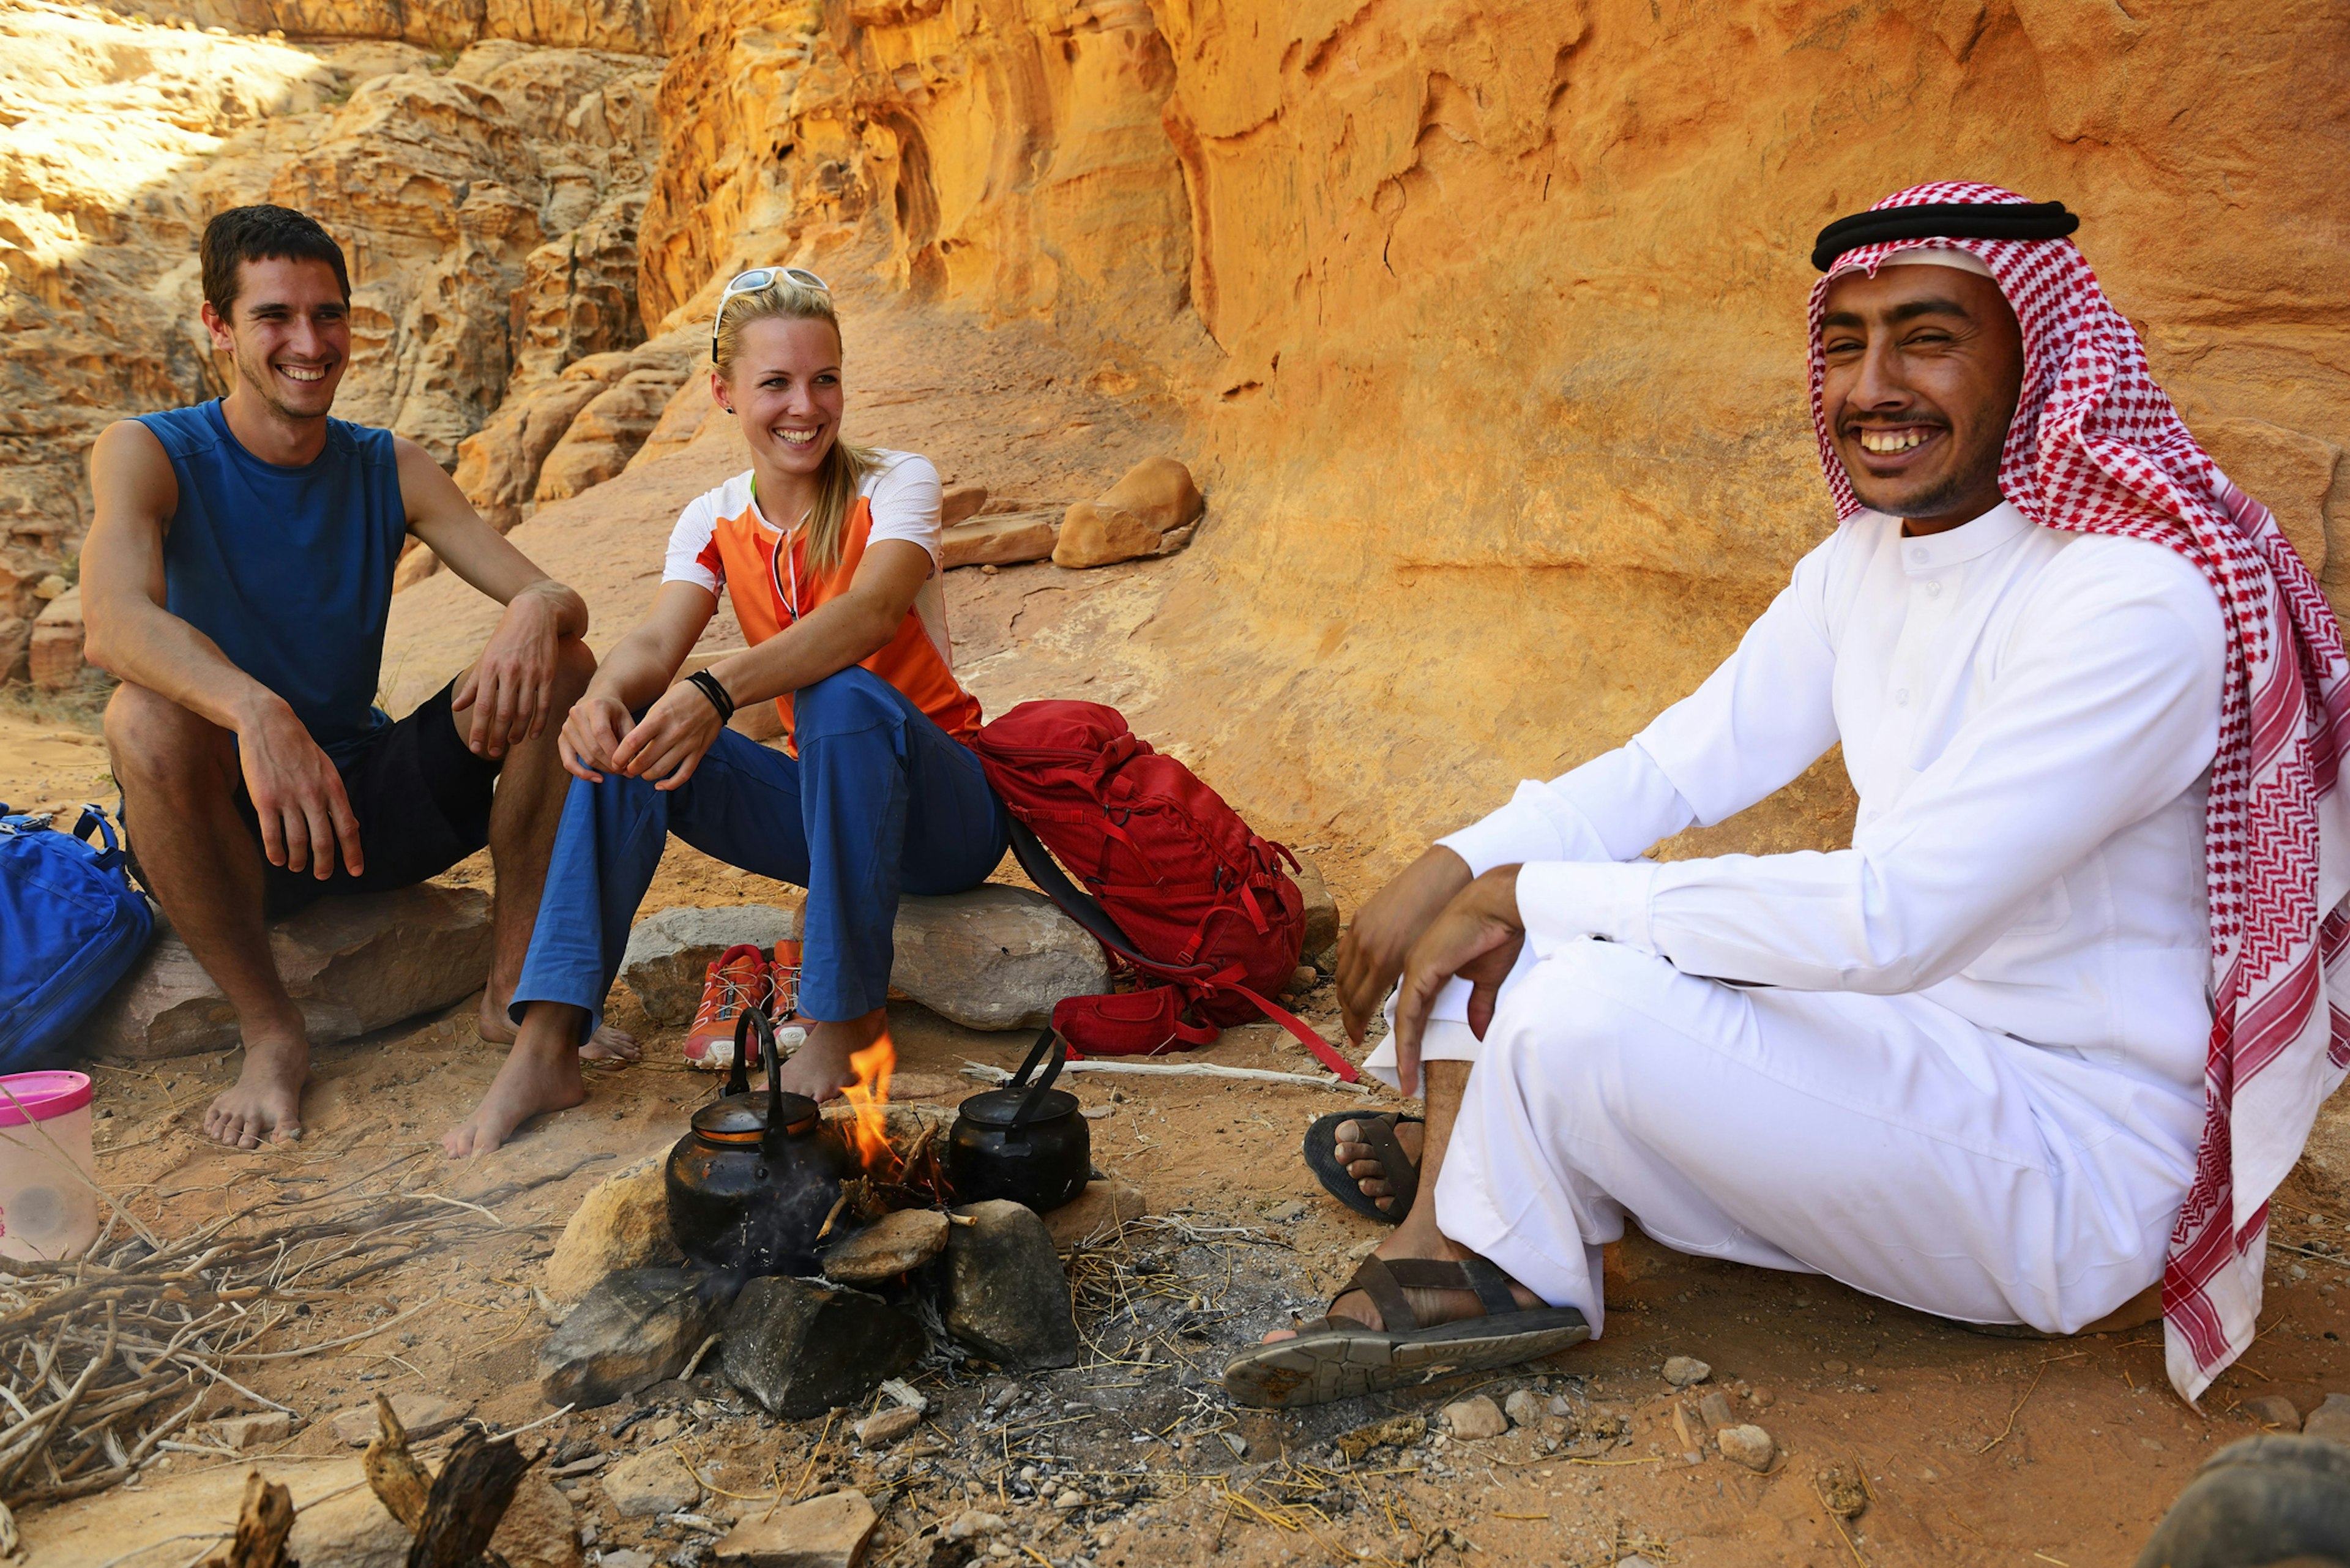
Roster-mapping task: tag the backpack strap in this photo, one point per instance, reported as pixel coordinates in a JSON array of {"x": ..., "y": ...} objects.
[
  {"x": 1047, "y": 873},
  {"x": 93, "y": 819}
]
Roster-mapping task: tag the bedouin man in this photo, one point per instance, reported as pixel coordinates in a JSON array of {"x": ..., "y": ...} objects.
[
  {"x": 2047, "y": 1036},
  {"x": 238, "y": 580}
]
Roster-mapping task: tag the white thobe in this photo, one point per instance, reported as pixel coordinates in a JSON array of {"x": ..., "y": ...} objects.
[{"x": 1958, "y": 1064}]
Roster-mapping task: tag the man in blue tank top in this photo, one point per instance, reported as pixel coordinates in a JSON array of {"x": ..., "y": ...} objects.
[{"x": 237, "y": 580}]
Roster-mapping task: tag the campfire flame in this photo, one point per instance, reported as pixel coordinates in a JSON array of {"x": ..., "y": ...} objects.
[{"x": 869, "y": 1099}]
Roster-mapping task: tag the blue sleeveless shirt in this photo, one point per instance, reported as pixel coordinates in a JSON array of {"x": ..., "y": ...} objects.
[{"x": 289, "y": 569}]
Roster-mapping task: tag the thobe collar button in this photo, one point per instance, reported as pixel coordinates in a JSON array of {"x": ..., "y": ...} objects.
[{"x": 2003, "y": 525}]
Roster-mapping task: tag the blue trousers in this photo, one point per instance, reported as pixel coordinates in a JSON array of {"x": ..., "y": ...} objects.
[{"x": 880, "y": 801}]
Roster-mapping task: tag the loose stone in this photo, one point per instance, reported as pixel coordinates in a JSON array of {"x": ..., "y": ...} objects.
[
  {"x": 1748, "y": 1446},
  {"x": 1475, "y": 1417},
  {"x": 1685, "y": 1371}
]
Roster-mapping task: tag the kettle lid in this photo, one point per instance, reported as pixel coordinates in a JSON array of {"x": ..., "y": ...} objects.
[
  {"x": 1001, "y": 1107},
  {"x": 742, "y": 1118}
]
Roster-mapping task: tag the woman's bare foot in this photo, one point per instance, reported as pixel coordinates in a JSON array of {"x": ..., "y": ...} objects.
[
  {"x": 1362, "y": 1163},
  {"x": 606, "y": 1044},
  {"x": 537, "y": 1077},
  {"x": 1431, "y": 1307},
  {"x": 265, "y": 1102},
  {"x": 820, "y": 1069}
]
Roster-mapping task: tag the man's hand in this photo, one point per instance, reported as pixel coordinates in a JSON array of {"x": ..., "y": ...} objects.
[
  {"x": 1371, "y": 954},
  {"x": 511, "y": 687},
  {"x": 1477, "y": 938},
  {"x": 296, "y": 793},
  {"x": 669, "y": 742}
]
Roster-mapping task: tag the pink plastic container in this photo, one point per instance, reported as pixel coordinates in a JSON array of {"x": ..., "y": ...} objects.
[{"x": 48, "y": 1198}]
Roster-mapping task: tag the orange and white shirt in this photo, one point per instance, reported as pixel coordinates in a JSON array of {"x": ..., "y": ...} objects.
[{"x": 723, "y": 543}]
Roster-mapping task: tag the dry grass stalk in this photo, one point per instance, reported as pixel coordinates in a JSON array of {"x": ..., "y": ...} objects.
[{"x": 102, "y": 1358}]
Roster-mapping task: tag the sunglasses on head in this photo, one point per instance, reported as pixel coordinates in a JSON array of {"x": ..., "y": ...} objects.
[{"x": 751, "y": 281}]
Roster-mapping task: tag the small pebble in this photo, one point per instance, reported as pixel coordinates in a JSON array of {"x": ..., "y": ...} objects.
[
  {"x": 1684, "y": 1371},
  {"x": 1475, "y": 1417},
  {"x": 1748, "y": 1446},
  {"x": 1070, "y": 1498},
  {"x": 887, "y": 1425},
  {"x": 2329, "y": 1421},
  {"x": 1234, "y": 1441},
  {"x": 970, "y": 1523},
  {"x": 1285, "y": 1211},
  {"x": 1713, "y": 1409},
  {"x": 2274, "y": 1410},
  {"x": 1833, "y": 1367},
  {"x": 1763, "y": 1399},
  {"x": 1524, "y": 1407}
]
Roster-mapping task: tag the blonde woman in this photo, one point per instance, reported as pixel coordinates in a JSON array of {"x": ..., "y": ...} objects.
[{"x": 830, "y": 555}]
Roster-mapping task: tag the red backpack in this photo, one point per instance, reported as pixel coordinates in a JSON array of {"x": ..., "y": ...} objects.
[{"x": 1181, "y": 890}]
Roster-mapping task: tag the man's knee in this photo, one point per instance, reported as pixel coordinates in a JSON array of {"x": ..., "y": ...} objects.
[
  {"x": 574, "y": 666},
  {"x": 152, "y": 741},
  {"x": 845, "y": 702},
  {"x": 1578, "y": 1008}
]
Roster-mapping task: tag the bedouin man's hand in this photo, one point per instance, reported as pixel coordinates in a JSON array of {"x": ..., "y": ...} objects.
[
  {"x": 1477, "y": 938},
  {"x": 296, "y": 793},
  {"x": 1371, "y": 954},
  {"x": 669, "y": 742}
]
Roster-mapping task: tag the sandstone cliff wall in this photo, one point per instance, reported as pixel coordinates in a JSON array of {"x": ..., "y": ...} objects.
[
  {"x": 1481, "y": 324},
  {"x": 1486, "y": 320}
]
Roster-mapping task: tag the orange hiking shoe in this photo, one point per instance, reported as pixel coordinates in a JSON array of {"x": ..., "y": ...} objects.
[
  {"x": 740, "y": 978},
  {"x": 791, "y": 1029}
]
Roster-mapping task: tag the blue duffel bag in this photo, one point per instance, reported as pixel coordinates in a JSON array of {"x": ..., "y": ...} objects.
[{"x": 70, "y": 925}]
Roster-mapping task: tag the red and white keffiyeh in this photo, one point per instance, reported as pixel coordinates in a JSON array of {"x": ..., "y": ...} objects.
[{"x": 2096, "y": 447}]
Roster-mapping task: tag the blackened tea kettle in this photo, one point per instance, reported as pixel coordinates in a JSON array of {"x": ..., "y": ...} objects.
[
  {"x": 752, "y": 1184},
  {"x": 1030, "y": 1145}
]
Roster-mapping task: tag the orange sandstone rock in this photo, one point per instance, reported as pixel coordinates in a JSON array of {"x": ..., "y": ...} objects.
[{"x": 1133, "y": 518}]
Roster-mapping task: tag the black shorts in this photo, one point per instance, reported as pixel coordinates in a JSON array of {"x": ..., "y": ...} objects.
[{"x": 423, "y": 802}]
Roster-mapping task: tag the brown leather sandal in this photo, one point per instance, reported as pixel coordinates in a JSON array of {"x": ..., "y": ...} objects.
[{"x": 1337, "y": 1357}]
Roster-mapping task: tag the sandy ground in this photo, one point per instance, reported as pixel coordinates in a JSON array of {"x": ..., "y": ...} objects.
[{"x": 1977, "y": 1450}]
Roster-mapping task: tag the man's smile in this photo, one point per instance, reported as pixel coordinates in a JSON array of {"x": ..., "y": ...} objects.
[
  {"x": 1894, "y": 443},
  {"x": 304, "y": 373}
]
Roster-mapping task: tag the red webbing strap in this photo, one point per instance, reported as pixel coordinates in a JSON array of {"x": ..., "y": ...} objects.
[{"x": 1305, "y": 1036}]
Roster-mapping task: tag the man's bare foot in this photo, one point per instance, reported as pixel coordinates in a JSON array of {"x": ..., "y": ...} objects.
[
  {"x": 1431, "y": 1307},
  {"x": 1361, "y": 1162},
  {"x": 535, "y": 1080},
  {"x": 606, "y": 1044},
  {"x": 265, "y": 1102},
  {"x": 820, "y": 1069}
]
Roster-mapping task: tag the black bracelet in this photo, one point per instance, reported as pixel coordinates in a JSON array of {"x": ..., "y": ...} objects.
[{"x": 702, "y": 681}]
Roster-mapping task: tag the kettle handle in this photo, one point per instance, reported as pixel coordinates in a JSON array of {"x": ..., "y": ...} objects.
[
  {"x": 1047, "y": 1039},
  {"x": 738, "y": 1073}
]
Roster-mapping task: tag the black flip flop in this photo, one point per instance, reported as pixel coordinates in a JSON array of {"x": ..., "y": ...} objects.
[
  {"x": 1337, "y": 1357},
  {"x": 1379, "y": 1135}
]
